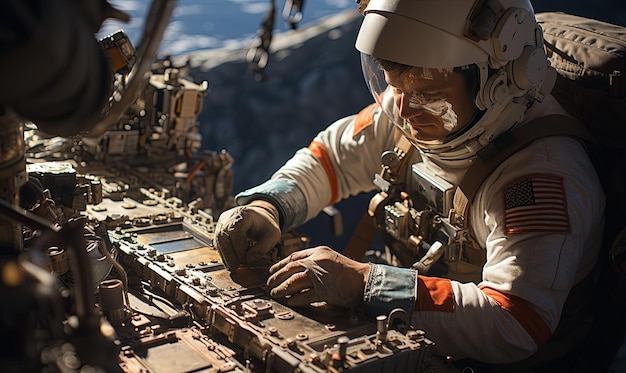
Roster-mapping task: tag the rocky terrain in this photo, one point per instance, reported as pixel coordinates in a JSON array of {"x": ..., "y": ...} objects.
[{"x": 312, "y": 78}]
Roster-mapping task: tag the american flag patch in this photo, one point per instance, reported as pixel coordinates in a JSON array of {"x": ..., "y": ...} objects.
[{"x": 536, "y": 204}]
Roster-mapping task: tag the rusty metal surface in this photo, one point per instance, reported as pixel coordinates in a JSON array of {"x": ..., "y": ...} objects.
[{"x": 189, "y": 286}]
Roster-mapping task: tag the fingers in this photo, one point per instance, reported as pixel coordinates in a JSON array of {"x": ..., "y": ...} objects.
[
  {"x": 231, "y": 244},
  {"x": 298, "y": 255},
  {"x": 264, "y": 251},
  {"x": 243, "y": 236},
  {"x": 226, "y": 225},
  {"x": 304, "y": 298},
  {"x": 290, "y": 278},
  {"x": 258, "y": 256},
  {"x": 283, "y": 262},
  {"x": 318, "y": 274},
  {"x": 281, "y": 274},
  {"x": 294, "y": 284}
]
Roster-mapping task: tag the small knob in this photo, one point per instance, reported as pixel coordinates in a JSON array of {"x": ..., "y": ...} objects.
[
  {"x": 390, "y": 159},
  {"x": 343, "y": 347}
]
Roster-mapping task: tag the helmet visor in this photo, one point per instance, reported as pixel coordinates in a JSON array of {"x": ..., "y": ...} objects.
[{"x": 402, "y": 98}]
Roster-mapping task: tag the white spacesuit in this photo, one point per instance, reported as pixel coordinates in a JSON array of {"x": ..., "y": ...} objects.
[{"x": 537, "y": 219}]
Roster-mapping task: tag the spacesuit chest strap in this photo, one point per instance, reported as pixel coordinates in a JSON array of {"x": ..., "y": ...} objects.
[{"x": 505, "y": 145}]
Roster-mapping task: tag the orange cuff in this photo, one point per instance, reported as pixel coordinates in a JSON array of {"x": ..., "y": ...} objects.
[{"x": 434, "y": 294}]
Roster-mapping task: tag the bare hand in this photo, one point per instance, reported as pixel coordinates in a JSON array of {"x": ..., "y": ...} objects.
[{"x": 319, "y": 274}]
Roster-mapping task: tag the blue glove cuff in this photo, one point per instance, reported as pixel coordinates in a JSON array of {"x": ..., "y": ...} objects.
[
  {"x": 388, "y": 288},
  {"x": 282, "y": 193}
]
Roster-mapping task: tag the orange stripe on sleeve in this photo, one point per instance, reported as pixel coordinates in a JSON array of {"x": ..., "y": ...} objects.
[
  {"x": 434, "y": 294},
  {"x": 523, "y": 313},
  {"x": 321, "y": 153},
  {"x": 364, "y": 118}
]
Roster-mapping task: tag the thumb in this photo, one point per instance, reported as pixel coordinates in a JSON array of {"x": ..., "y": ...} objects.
[
  {"x": 267, "y": 209},
  {"x": 231, "y": 246},
  {"x": 230, "y": 237}
]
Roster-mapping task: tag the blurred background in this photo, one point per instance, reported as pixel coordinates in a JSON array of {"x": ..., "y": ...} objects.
[{"x": 210, "y": 24}]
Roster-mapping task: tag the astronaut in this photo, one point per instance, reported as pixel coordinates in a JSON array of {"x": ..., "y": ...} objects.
[{"x": 448, "y": 76}]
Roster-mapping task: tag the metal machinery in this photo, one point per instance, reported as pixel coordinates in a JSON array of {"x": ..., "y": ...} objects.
[{"x": 107, "y": 261}]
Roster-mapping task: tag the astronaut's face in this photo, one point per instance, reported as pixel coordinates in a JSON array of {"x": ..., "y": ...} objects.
[{"x": 434, "y": 102}]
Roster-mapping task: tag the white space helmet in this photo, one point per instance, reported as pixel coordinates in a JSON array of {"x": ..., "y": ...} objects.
[{"x": 500, "y": 37}]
